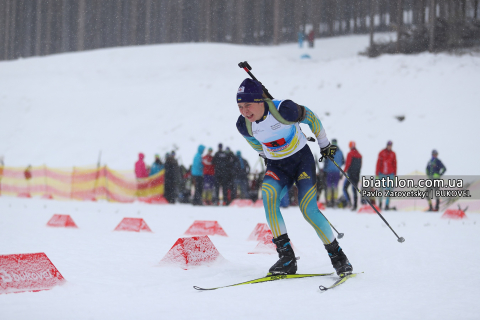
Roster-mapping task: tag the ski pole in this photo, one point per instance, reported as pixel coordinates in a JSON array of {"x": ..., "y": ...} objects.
[
  {"x": 340, "y": 235},
  {"x": 399, "y": 239},
  {"x": 245, "y": 66}
]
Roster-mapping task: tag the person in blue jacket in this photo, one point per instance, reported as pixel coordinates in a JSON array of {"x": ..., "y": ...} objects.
[
  {"x": 332, "y": 175},
  {"x": 157, "y": 166},
  {"x": 435, "y": 170},
  {"x": 272, "y": 128},
  {"x": 197, "y": 175}
]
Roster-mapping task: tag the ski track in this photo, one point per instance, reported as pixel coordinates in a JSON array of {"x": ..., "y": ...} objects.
[{"x": 115, "y": 275}]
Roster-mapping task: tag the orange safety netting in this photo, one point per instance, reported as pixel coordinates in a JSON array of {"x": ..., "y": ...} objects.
[{"x": 81, "y": 184}]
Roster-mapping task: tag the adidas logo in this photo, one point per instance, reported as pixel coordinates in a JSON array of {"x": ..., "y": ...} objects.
[{"x": 303, "y": 176}]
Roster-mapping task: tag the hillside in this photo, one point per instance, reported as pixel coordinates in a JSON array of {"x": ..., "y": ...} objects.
[{"x": 62, "y": 110}]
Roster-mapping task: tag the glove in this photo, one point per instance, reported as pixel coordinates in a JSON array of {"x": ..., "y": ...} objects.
[
  {"x": 328, "y": 152},
  {"x": 436, "y": 176}
]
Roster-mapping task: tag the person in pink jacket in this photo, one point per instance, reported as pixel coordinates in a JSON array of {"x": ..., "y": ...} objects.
[{"x": 140, "y": 168}]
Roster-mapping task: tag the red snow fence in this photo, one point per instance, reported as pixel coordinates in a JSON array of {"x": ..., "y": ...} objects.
[
  {"x": 27, "y": 272},
  {"x": 258, "y": 232},
  {"x": 132, "y": 224},
  {"x": 241, "y": 203},
  {"x": 320, "y": 206},
  {"x": 454, "y": 214},
  {"x": 265, "y": 245},
  {"x": 205, "y": 228},
  {"x": 368, "y": 209},
  {"x": 192, "y": 252},
  {"x": 61, "y": 220}
]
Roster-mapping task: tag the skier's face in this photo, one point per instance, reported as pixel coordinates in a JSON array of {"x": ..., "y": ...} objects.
[{"x": 253, "y": 111}]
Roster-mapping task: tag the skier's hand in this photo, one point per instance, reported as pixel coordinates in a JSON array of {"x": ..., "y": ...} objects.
[{"x": 328, "y": 152}]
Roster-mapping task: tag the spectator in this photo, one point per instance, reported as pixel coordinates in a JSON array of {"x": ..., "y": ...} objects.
[
  {"x": 386, "y": 167},
  {"x": 311, "y": 38},
  {"x": 321, "y": 184},
  {"x": 197, "y": 175},
  {"x": 220, "y": 161},
  {"x": 435, "y": 170},
  {"x": 208, "y": 176},
  {"x": 255, "y": 185},
  {"x": 301, "y": 36},
  {"x": 332, "y": 174},
  {"x": 28, "y": 175},
  {"x": 241, "y": 175},
  {"x": 184, "y": 184},
  {"x": 232, "y": 164},
  {"x": 157, "y": 166},
  {"x": 171, "y": 177},
  {"x": 140, "y": 168},
  {"x": 353, "y": 166}
]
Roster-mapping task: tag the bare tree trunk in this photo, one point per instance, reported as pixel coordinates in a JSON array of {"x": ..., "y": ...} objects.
[
  {"x": 276, "y": 21},
  {"x": 208, "y": 20},
  {"x": 12, "y": 29},
  {"x": 117, "y": 23},
  {"x": 81, "y": 25},
  {"x": 399, "y": 24},
  {"x": 257, "y": 18},
  {"x": 372, "y": 23},
  {"x": 148, "y": 22},
  {"x": 475, "y": 9},
  {"x": 179, "y": 19},
  {"x": 431, "y": 21},
  {"x": 48, "y": 28},
  {"x": 316, "y": 17},
  {"x": 3, "y": 30}
]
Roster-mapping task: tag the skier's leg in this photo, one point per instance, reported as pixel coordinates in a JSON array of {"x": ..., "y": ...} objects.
[
  {"x": 308, "y": 206},
  {"x": 305, "y": 181},
  {"x": 354, "y": 191},
  {"x": 275, "y": 187},
  {"x": 345, "y": 190},
  {"x": 387, "y": 201}
]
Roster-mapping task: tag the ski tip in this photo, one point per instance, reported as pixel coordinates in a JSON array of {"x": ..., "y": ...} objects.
[
  {"x": 198, "y": 288},
  {"x": 323, "y": 288}
]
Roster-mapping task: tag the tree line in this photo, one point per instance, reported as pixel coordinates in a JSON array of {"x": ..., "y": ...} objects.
[{"x": 43, "y": 27}]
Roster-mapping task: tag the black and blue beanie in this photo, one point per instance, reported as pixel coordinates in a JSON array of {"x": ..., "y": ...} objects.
[{"x": 250, "y": 91}]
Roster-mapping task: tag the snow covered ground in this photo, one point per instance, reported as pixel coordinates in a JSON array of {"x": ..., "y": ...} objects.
[
  {"x": 61, "y": 110},
  {"x": 115, "y": 275}
]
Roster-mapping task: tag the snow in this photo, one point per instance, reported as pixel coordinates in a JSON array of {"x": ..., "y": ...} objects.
[
  {"x": 61, "y": 110},
  {"x": 116, "y": 275}
]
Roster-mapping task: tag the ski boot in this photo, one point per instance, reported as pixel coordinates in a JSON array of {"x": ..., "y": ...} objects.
[
  {"x": 339, "y": 260},
  {"x": 287, "y": 264}
]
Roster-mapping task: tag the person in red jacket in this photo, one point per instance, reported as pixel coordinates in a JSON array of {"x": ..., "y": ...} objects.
[
  {"x": 386, "y": 167},
  {"x": 140, "y": 168},
  {"x": 208, "y": 177},
  {"x": 352, "y": 168}
]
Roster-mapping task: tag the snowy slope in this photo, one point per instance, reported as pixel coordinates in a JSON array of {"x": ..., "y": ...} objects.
[
  {"x": 62, "y": 110},
  {"x": 115, "y": 275}
]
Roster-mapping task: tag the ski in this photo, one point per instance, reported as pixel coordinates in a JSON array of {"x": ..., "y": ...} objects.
[
  {"x": 339, "y": 281},
  {"x": 268, "y": 278}
]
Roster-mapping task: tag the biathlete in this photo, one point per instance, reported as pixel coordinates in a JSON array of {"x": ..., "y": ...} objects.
[{"x": 272, "y": 128}]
